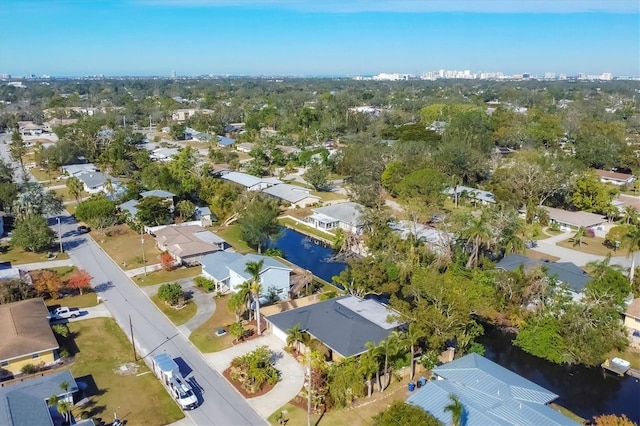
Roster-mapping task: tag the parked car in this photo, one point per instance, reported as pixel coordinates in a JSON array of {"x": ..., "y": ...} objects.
[
  {"x": 64, "y": 312},
  {"x": 83, "y": 229}
]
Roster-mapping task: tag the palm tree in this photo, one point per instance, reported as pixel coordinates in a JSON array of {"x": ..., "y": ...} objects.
[
  {"x": 599, "y": 268},
  {"x": 74, "y": 186},
  {"x": 411, "y": 339},
  {"x": 629, "y": 215},
  {"x": 236, "y": 303},
  {"x": 295, "y": 336},
  {"x": 456, "y": 409},
  {"x": 108, "y": 186},
  {"x": 254, "y": 269},
  {"x": 64, "y": 408},
  {"x": 631, "y": 240},
  {"x": 375, "y": 355},
  {"x": 477, "y": 234},
  {"x": 368, "y": 367},
  {"x": 386, "y": 349},
  {"x": 578, "y": 236}
]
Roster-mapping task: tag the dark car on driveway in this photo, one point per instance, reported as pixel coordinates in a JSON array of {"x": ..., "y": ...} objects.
[{"x": 83, "y": 229}]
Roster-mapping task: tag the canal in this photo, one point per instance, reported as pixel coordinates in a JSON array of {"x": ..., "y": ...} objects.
[
  {"x": 305, "y": 253},
  {"x": 587, "y": 392}
]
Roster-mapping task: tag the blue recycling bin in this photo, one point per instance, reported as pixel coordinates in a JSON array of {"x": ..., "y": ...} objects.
[
  {"x": 423, "y": 381},
  {"x": 411, "y": 386}
]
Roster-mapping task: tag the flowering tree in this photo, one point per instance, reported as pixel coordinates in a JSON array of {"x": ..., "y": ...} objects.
[
  {"x": 167, "y": 261},
  {"x": 79, "y": 279},
  {"x": 47, "y": 282}
]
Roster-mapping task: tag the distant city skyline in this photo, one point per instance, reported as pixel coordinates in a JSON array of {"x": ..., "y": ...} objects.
[{"x": 307, "y": 37}]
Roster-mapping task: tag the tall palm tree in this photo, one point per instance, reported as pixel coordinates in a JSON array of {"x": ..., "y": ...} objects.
[
  {"x": 64, "y": 408},
  {"x": 254, "y": 269},
  {"x": 631, "y": 240},
  {"x": 108, "y": 186},
  {"x": 375, "y": 355},
  {"x": 629, "y": 215},
  {"x": 477, "y": 234},
  {"x": 369, "y": 366},
  {"x": 578, "y": 236},
  {"x": 599, "y": 268},
  {"x": 295, "y": 336},
  {"x": 387, "y": 349},
  {"x": 236, "y": 304},
  {"x": 456, "y": 409},
  {"x": 411, "y": 338}
]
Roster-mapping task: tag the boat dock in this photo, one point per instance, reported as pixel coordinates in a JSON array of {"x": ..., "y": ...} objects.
[
  {"x": 620, "y": 367},
  {"x": 634, "y": 372}
]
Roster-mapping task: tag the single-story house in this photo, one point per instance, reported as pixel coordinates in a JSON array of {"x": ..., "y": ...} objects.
[
  {"x": 233, "y": 128},
  {"x": 473, "y": 194},
  {"x": 297, "y": 196},
  {"x": 164, "y": 154},
  {"x": 94, "y": 182},
  {"x": 632, "y": 321},
  {"x": 76, "y": 169},
  {"x": 184, "y": 114},
  {"x": 615, "y": 178},
  {"x": 622, "y": 200},
  {"x": 568, "y": 220},
  {"x": 288, "y": 150},
  {"x": 490, "y": 394},
  {"x": 228, "y": 271},
  {"x": 31, "y": 129},
  {"x": 250, "y": 182},
  {"x": 435, "y": 239},
  {"x": 347, "y": 216},
  {"x": 204, "y": 215},
  {"x": 188, "y": 244},
  {"x": 565, "y": 272},
  {"x": 245, "y": 147},
  {"x": 224, "y": 141},
  {"x": 131, "y": 205},
  {"x": 343, "y": 324},
  {"x": 14, "y": 273},
  {"x": 25, "y": 402},
  {"x": 55, "y": 122},
  {"x": 27, "y": 337}
]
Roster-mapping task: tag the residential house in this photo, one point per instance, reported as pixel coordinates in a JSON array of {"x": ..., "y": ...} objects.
[
  {"x": 204, "y": 215},
  {"x": 615, "y": 178},
  {"x": 472, "y": 194},
  {"x": 245, "y": 147},
  {"x": 14, "y": 273},
  {"x": 188, "y": 244},
  {"x": 436, "y": 240},
  {"x": 224, "y": 141},
  {"x": 568, "y": 220},
  {"x": 250, "y": 182},
  {"x": 288, "y": 150},
  {"x": 184, "y": 114},
  {"x": 490, "y": 394},
  {"x": 228, "y": 271},
  {"x": 27, "y": 337},
  {"x": 76, "y": 169},
  {"x": 95, "y": 182},
  {"x": 234, "y": 128},
  {"x": 31, "y": 129},
  {"x": 48, "y": 126},
  {"x": 131, "y": 206},
  {"x": 632, "y": 321},
  {"x": 343, "y": 324},
  {"x": 346, "y": 216},
  {"x": 164, "y": 154},
  {"x": 25, "y": 402},
  {"x": 296, "y": 196},
  {"x": 567, "y": 273}
]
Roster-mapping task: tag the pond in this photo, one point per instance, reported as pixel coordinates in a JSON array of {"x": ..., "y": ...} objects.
[
  {"x": 307, "y": 254},
  {"x": 587, "y": 392}
]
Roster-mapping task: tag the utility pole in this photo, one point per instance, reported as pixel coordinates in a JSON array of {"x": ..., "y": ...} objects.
[
  {"x": 133, "y": 342},
  {"x": 144, "y": 262},
  {"x": 60, "y": 234}
]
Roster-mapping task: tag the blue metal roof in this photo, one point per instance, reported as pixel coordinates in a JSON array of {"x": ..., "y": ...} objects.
[
  {"x": 491, "y": 394},
  {"x": 224, "y": 141},
  {"x": 240, "y": 265},
  {"x": 216, "y": 264},
  {"x": 157, "y": 193}
]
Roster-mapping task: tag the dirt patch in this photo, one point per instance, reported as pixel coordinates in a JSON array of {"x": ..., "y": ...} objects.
[
  {"x": 127, "y": 369},
  {"x": 265, "y": 388}
]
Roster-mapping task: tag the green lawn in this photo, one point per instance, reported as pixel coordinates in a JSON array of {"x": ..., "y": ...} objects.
[
  {"x": 204, "y": 337},
  {"x": 43, "y": 176},
  {"x": 162, "y": 276},
  {"x": 305, "y": 229},
  {"x": 18, "y": 256},
  {"x": 136, "y": 398},
  {"x": 125, "y": 247},
  {"x": 231, "y": 234},
  {"x": 177, "y": 316},
  {"x": 631, "y": 355},
  {"x": 64, "y": 193},
  {"x": 589, "y": 245}
]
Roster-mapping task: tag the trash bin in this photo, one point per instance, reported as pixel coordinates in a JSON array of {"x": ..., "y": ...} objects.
[
  {"x": 418, "y": 384},
  {"x": 411, "y": 386},
  {"x": 423, "y": 380}
]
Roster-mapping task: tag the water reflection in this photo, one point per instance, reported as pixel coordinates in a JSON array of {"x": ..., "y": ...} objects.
[{"x": 587, "y": 392}]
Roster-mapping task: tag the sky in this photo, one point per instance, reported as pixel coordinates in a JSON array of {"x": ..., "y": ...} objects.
[{"x": 317, "y": 37}]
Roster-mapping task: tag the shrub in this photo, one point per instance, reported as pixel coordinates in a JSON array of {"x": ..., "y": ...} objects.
[
  {"x": 60, "y": 329},
  {"x": 29, "y": 369},
  {"x": 64, "y": 353},
  {"x": 254, "y": 369},
  {"x": 167, "y": 261},
  {"x": 171, "y": 293},
  {"x": 328, "y": 295},
  {"x": 615, "y": 234},
  {"x": 274, "y": 252},
  {"x": 204, "y": 283}
]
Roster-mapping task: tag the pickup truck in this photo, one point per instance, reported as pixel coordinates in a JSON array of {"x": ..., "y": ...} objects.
[{"x": 64, "y": 312}]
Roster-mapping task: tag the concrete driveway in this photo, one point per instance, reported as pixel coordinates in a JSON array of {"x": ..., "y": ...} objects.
[
  {"x": 98, "y": 311},
  {"x": 291, "y": 372}
]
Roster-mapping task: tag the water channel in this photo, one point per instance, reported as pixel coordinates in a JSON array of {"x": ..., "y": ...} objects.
[
  {"x": 302, "y": 251},
  {"x": 587, "y": 392}
]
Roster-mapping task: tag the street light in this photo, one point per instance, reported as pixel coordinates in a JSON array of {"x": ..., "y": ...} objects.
[{"x": 60, "y": 234}]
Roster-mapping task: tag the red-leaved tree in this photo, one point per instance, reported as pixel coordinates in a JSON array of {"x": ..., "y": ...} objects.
[
  {"x": 79, "y": 279},
  {"x": 167, "y": 261},
  {"x": 47, "y": 282}
]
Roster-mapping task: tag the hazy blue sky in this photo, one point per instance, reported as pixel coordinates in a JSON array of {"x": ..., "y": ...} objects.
[{"x": 317, "y": 37}]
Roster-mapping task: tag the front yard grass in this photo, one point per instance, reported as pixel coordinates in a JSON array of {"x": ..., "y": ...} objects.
[
  {"x": 231, "y": 234},
  {"x": 64, "y": 193},
  {"x": 124, "y": 246},
  {"x": 137, "y": 399},
  {"x": 177, "y": 316},
  {"x": 306, "y": 229},
  {"x": 43, "y": 176},
  {"x": 86, "y": 300},
  {"x": 589, "y": 245},
  {"x": 204, "y": 337},
  {"x": 19, "y": 256},
  {"x": 162, "y": 276}
]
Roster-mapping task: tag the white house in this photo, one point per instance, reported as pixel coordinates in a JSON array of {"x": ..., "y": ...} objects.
[
  {"x": 250, "y": 182},
  {"x": 474, "y": 194},
  {"x": 347, "y": 216},
  {"x": 615, "y": 178},
  {"x": 228, "y": 271},
  {"x": 95, "y": 182},
  {"x": 296, "y": 196}
]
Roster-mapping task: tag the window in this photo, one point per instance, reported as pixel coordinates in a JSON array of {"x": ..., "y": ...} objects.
[
  {"x": 35, "y": 356},
  {"x": 4, "y": 363}
]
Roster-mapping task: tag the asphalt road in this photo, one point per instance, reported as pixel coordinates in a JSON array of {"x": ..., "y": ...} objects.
[{"x": 220, "y": 403}]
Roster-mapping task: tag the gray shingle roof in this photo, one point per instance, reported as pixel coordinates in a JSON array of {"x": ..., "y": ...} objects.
[
  {"x": 157, "y": 193},
  {"x": 96, "y": 179},
  {"x": 491, "y": 395},
  {"x": 340, "y": 327},
  {"x": 350, "y": 213},
  {"x": 574, "y": 218},
  {"x": 240, "y": 265},
  {"x": 215, "y": 264},
  {"x": 566, "y": 272},
  {"x": 130, "y": 206},
  {"x": 290, "y": 193},
  {"x": 24, "y": 403}
]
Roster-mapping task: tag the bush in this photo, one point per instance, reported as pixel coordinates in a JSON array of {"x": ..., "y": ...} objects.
[
  {"x": 204, "y": 283},
  {"x": 615, "y": 234},
  {"x": 328, "y": 295},
  {"x": 254, "y": 369},
  {"x": 29, "y": 369},
  {"x": 167, "y": 261},
  {"x": 64, "y": 353},
  {"x": 274, "y": 252},
  {"x": 60, "y": 329},
  {"x": 171, "y": 293}
]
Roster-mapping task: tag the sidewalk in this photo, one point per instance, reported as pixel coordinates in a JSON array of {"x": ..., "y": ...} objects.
[
  {"x": 291, "y": 372},
  {"x": 45, "y": 265},
  {"x": 138, "y": 271}
]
